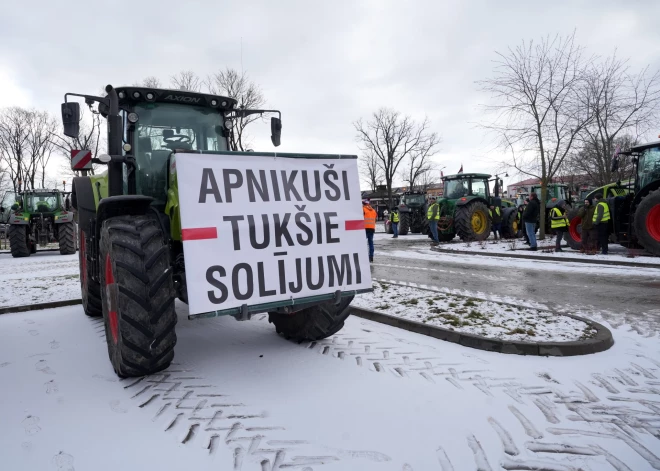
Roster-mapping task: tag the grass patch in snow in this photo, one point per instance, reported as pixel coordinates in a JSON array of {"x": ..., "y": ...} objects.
[{"x": 475, "y": 316}]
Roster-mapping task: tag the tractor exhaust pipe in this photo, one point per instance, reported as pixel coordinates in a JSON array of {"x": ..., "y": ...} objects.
[{"x": 115, "y": 169}]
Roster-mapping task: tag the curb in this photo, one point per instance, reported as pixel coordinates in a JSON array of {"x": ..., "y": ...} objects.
[
  {"x": 550, "y": 259},
  {"x": 602, "y": 341},
  {"x": 37, "y": 307}
]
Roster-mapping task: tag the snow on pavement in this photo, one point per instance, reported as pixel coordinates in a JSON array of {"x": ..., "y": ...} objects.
[
  {"x": 471, "y": 315},
  {"x": 372, "y": 397},
  {"x": 42, "y": 277}
]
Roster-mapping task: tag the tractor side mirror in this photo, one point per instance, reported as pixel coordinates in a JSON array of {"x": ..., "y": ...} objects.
[
  {"x": 275, "y": 130},
  {"x": 71, "y": 119}
]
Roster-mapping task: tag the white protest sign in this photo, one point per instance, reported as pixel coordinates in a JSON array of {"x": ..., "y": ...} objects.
[{"x": 260, "y": 228}]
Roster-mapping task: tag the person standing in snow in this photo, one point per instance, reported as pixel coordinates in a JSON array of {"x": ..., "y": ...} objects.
[
  {"x": 530, "y": 218},
  {"x": 589, "y": 235},
  {"x": 601, "y": 221},
  {"x": 394, "y": 220},
  {"x": 559, "y": 222},
  {"x": 370, "y": 216},
  {"x": 433, "y": 216},
  {"x": 496, "y": 220}
]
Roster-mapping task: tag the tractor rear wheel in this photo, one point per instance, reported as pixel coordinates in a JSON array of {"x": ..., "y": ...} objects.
[
  {"x": 573, "y": 236},
  {"x": 647, "y": 222},
  {"x": 90, "y": 289},
  {"x": 404, "y": 223},
  {"x": 472, "y": 221},
  {"x": 137, "y": 295},
  {"x": 19, "y": 240},
  {"x": 510, "y": 226},
  {"x": 312, "y": 323},
  {"x": 66, "y": 236}
]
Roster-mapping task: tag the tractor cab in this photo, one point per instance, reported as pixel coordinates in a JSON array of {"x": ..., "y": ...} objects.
[
  {"x": 555, "y": 193},
  {"x": 648, "y": 165},
  {"x": 412, "y": 199},
  {"x": 463, "y": 185}
]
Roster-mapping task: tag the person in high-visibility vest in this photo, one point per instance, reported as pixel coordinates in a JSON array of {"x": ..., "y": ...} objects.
[
  {"x": 370, "y": 216},
  {"x": 601, "y": 219},
  {"x": 496, "y": 220},
  {"x": 394, "y": 220},
  {"x": 559, "y": 222},
  {"x": 433, "y": 216}
]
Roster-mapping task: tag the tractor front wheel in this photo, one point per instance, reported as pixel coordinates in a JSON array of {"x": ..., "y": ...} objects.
[
  {"x": 647, "y": 222},
  {"x": 66, "y": 236},
  {"x": 19, "y": 240},
  {"x": 312, "y": 323},
  {"x": 573, "y": 236},
  {"x": 510, "y": 226},
  {"x": 137, "y": 295},
  {"x": 90, "y": 289},
  {"x": 472, "y": 221},
  {"x": 404, "y": 223}
]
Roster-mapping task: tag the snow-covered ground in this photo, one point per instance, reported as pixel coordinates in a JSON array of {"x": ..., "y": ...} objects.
[
  {"x": 372, "y": 397},
  {"x": 41, "y": 277},
  {"x": 471, "y": 315}
]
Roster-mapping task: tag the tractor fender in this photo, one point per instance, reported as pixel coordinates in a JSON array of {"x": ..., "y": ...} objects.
[
  {"x": 19, "y": 220},
  {"x": 64, "y": 217},
  {"x": 82, "y": 200},
  {"x": 654, "y": 185},
  {"x": 122, "y": 205},
  {"x": 470, "y": 199}
]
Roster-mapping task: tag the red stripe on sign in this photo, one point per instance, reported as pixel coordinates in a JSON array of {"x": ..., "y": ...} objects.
[
  {"x": 354, "y": 225},
  {"x": 199, "y": 233},
  {"x": 85, "y": 160}
]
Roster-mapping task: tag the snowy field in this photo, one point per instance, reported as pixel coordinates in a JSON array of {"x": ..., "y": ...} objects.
[
  {"x": 471, "y": 315},
  {"x": 372, "y": 397},
  {"x": 39, "y": 278}
]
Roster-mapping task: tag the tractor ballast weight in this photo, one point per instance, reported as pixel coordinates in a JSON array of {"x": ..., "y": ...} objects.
[
  {"x": 40, "y": 217},
  {"x": 131, "y": 251}
]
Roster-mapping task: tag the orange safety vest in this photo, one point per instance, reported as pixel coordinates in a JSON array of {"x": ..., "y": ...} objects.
[{"x": 370, "y": 216}]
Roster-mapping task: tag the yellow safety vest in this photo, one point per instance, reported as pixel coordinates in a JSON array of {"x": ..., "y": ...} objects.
[
  {"x": 606, "y": 212},
  {"x": 497, "y": 211},
  {"x": 394, "y": 217},
  {"x": 429, "y": 212},
  {"x": 558, "y": 223}
]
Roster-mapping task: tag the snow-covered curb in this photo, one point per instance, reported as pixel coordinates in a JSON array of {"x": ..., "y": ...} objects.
[{"x": 473, "y": 316}]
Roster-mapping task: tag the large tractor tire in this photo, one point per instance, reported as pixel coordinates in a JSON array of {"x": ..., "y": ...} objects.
[
  {"x": 510, "y": 226},
  {"x": 90, "y": 289},
  {"x": 472, "y": 221},
  {"x": 404, "y": 223},
  {"x": 19, "y": 241},
  {"x": 312, "y": 323},
  {"x": 647, "y": 222},
  {"x": 66, "y": 236},
  {"x": 137, "y": 295},
  {"x": 573, "y": 236}
]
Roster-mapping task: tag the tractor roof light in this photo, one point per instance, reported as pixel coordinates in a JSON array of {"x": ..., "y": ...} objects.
[
  {"x": 228, "y": 123},
  {"x": 214, "y": 102},
  {"x": 224, "y": 104},
  {"x": 136, "y": 95},
  {"x": 133, "y": 118},
  {"x": 150, "y": 96}
]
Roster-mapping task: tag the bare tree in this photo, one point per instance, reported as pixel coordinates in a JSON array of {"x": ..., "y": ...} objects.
[
  {"x": 237, "y": 85},
  {"x": 185, "y": 80},
  {"x": 624, "y": 106},
  {"x": 419, "y": 163},
  {"x": 371, "y": 172},
  {"x": 151, "y": 82},
  {"x": 89, "y": 138},
  {"x": 540, "y": 106},
  {"x": 392, "y": 139},
  {"x": 428, "y": 178}
]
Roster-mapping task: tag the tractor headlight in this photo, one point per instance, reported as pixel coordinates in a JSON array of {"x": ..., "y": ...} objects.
[
  {"x": 133, "y": 118},
  {"x": 228, "y": 123},
  {"x": 136, "y": 95},
  {"x": 214, "y": 102}
]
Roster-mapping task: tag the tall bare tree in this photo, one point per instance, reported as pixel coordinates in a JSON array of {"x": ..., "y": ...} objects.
[
  {"x": 539, "y": 105},
  {"x": 392, "y": 139},
  {"x": 237, "y": 85},
  {"x": 152, "y": 82},
  {"x": 371, "y": 172},
  {"x": 419, "y": 165},
  {"x": 185, "y": 80},
  {"x": 624, "y": 105}
]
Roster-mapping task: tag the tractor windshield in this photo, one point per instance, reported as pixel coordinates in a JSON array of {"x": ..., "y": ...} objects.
[
  {"x": 479, "y": 188},
  {"x": 454, "y": 189},
  {"x": 414, "y": 200},
  {"x": 649, "y": 167},
  {"x": 162, "y": 128},
  {"x": 41, "y": 202}
]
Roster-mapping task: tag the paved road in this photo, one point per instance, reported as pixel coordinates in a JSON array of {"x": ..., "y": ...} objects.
[{"x": 625, "y": 298}]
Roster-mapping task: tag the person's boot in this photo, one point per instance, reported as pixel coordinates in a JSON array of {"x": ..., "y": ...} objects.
[
  {"x": 558, "y": 249},
  {"x": 371, "y": 259},
  {"x": 533, "y": 249}
]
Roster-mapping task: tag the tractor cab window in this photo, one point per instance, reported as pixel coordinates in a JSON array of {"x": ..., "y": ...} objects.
[
  {"x": 162, "y": 128},
  {"x": 649, "y": 167},
  {"x": 41, "y": 203},
  {"x": 479, "y": 188},
  {"x": 414, "y": 199},
  {"x": 455, "y": 189}
]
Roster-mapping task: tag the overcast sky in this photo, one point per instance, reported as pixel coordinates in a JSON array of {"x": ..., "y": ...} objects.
[{"x": 323, "y": 64}]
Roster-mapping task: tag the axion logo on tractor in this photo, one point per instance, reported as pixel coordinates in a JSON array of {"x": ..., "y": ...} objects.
[{"x": 182, "y": 99}]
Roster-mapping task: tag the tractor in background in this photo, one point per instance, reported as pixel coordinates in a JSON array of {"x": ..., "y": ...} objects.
[
  {"x": 634, "y": 209},
  {"x": 38, "y": 218},
  {"x": 412, "y": 213},
  {"x": 555, "y": 192}
]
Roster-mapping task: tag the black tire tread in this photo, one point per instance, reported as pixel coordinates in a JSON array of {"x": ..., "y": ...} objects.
[
  {"x": 312, "y": 323},
  {"x": 641, "y": 231},
  {"x": 66, "y": 236},
  {"x": 463, "y": 221},
  {"x": 146, "y": 314},
  {"x": 572, "y": 243},
  {"x": 18, "y": 243},
  {"x": 404, "y": 223}
]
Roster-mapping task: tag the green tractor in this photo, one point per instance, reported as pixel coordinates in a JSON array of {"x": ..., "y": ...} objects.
[
  {"x": 555, "y": 192},
  {"x": 412, "y": 213},
  {"x": 464, "y": 208},
  {"x": 131, "y": 250},
  {"x": 634, "y": 209},
  {"x": 38, "y": 218}
]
